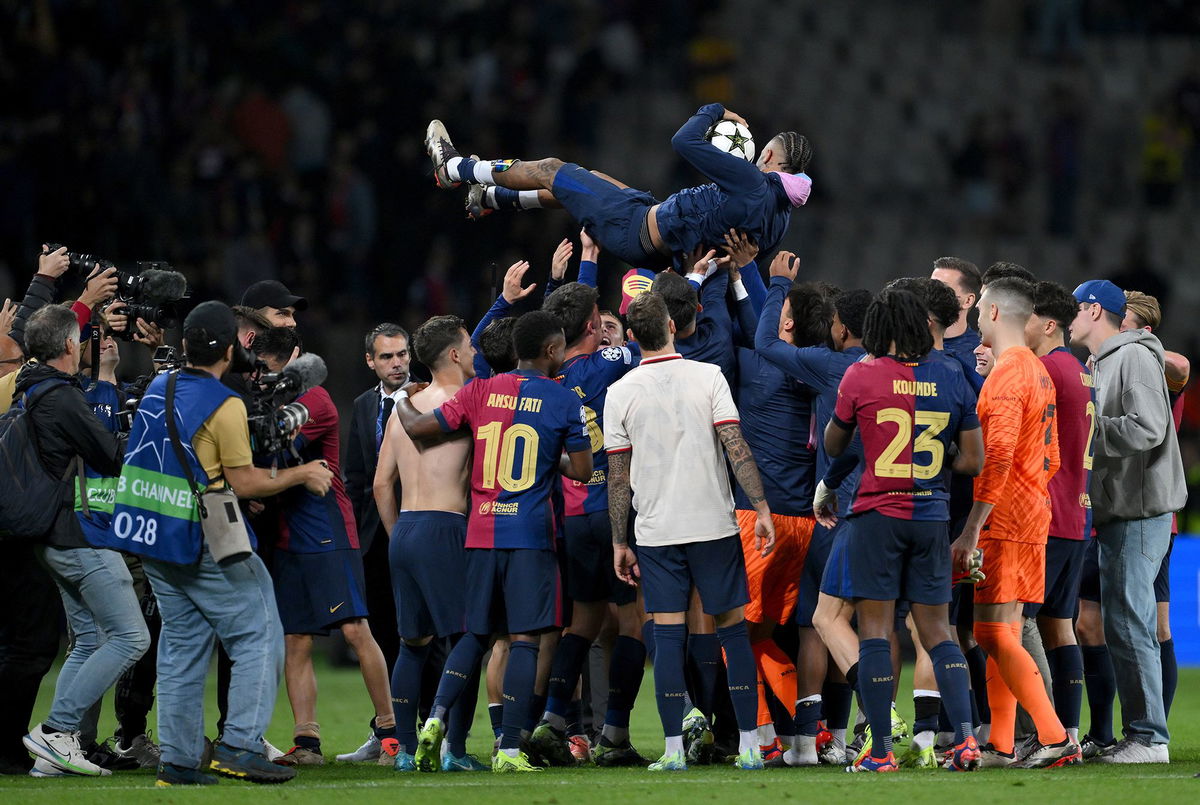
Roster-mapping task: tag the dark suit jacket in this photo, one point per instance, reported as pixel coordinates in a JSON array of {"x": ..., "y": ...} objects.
[{"x": 358, "y": 467}]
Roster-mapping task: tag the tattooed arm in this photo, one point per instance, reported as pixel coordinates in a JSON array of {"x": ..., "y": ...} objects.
[
  {"x": 746, "y": 473},
  {"x": 619, "y": 492}
]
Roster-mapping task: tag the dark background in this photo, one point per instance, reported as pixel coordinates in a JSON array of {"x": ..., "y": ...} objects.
[{"x": 248, "y": 140}]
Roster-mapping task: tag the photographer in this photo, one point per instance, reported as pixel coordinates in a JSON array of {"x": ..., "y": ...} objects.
[
  {"x": 200, "y": 601},
  {"x": 108, "y": 633},
  {"x": 318, "y": 570}
]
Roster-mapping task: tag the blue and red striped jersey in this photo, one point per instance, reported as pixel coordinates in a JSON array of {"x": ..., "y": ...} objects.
[
  {"x": 589, "y": 376},
  {"x": 907, "y": 415},
  {"x": 521, "y": 421}
]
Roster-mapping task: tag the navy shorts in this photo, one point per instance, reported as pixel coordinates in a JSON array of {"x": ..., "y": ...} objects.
[
  {"x": 512, "y": 591},
  {"x": 819, "y": 548},
  {"x": 589, "y": 576},
  {"x": 892, "y": 559},
  {"x": 429, "y": 573},
  {"x": 835, "y": 580},
  {"x": 1064, "y": 569},
  {"x": 716, "y": 567},
  {"x": 612, "y": 215},
  {"x": 317, "y": 591},
  {"x": 1089, "y": 579}
]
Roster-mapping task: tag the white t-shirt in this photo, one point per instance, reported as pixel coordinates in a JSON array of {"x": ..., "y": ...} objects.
[{"x": 665, "y": 412}]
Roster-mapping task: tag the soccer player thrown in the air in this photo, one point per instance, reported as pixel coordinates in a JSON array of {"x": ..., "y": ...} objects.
[{"x": 755, "y": 198}]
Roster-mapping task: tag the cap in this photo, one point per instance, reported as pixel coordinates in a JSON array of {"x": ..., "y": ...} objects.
[
  {"x": 272, "y": 293},
  {"x": 211, "y": 323},
  {"x": 1103, "y": 293}
]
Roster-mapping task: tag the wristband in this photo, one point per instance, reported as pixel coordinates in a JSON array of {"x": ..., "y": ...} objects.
[{"x": 739, "y": 291}]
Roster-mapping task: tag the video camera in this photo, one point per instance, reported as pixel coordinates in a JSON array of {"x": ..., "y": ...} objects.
[
  {"x": 274, "y": 414},
  {"x": 151, "y": 291},
  {"x": 166, "y": 359}
]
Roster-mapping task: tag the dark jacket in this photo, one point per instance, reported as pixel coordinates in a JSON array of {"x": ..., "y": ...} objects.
[
  {"x": 66, "y": 428},
  {"x": 39, "y": 294},
  {"x": 358, "y": 468}
]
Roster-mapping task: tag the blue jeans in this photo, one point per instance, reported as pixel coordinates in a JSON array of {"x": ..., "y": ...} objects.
[
  {"x": 1130, "y": 554},
  {"x": 201, "y": 604},
  {"x": 108, "y": 633}
]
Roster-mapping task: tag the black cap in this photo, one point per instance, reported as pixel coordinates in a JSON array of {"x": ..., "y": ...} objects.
[
  {"x": 211, "y": 323},
  {"x": 272, "y": 293}
]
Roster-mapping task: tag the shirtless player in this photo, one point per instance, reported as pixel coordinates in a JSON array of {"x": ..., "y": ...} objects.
[{"x": 427, "y": 551}]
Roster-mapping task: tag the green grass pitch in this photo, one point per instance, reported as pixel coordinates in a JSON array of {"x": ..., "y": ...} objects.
[{"x": 344, "y": 710}]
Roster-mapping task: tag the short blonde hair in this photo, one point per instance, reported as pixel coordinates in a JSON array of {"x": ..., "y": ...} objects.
[{"x": 1144, "y": 307}]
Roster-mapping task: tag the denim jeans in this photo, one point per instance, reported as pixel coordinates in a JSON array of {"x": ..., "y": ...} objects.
[
  {"x": 1130, "y": 554},
  {"x": 199, "y": 605},
  {"x": 108, "y": 633}
]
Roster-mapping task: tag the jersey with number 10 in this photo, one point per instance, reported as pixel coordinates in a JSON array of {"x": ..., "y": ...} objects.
[
  {"x": 908, "y": 415},
  {"x": 521, "y": 421}
]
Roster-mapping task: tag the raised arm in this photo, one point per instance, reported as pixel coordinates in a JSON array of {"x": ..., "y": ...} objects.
[{"x": 732, "y": 174}]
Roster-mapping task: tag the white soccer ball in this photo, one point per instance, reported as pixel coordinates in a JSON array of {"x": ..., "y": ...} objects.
[{"x": 732, "y": 138}]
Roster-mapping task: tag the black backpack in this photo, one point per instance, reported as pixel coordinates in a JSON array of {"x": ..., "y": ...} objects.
[{"x": 30, "y": 497}]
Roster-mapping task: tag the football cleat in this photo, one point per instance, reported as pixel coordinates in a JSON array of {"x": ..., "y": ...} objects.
[
  {"x": 581, "y": 750},
  {"x": 429, "y": 744},
  {"x": 476, "y": 203},
  {"x": 915, "y": 757},
  {"x": 824, "y": 736},
  {"x": 551, "y": 745},
  {"x": 503, "y": 764},
  {"x": 899, "y": 727},
  {"x": 749, "y": 760},
  {"x": 403, "y": 761},
  {"x": 388, "y": 749},
  {"x": 833, "y": 753},
  {"x": 610, "y": 755},
  {"x": 992, "y": 758},
  {"x": 1064, "y": 753},
  {"x": 772, "y": 755},
  {"x": 465, "y": 763},
  {"x": 864, "y": 749},
  {"x": 1090, "y": 747},
  {"x": 675, "y": 762},
  {"x": 964, "y": 757},
  {"x": 873, "y": 764},
  {"x": 697, "y": 738},
  {"x": 441, "y": 151},
  {"x": 370, "y": 750}
]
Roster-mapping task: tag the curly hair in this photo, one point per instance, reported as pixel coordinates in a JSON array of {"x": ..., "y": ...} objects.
[{"x": 939, "y": 297}]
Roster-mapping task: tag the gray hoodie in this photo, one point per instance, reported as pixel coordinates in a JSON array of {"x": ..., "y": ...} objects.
[{"x": 1137, "y": 472}]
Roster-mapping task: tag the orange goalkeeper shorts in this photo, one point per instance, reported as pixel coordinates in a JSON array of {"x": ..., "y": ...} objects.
[
  {"x": 774, "y": 580},
  {"x": 1015, "y": 571}
]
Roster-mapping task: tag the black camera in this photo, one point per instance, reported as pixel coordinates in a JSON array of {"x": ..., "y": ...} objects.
[
  {"x": 151, "y": 291},
  {"x": 274, "y": 414},
  {"x": 166, "y": 359}
]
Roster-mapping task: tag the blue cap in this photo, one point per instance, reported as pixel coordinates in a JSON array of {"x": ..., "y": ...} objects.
[{"x": 1103, "y": 293}]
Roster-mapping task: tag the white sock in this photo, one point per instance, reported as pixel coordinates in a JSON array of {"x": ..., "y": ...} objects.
[
  {"x": 747, "y": 739},
  {"x": 766, "y": 735},
  {"x": 555, "y": 720},
  {"x": 674, "y": 745},
  {"x": 512, "y": 753},
  {"x": 839, "y": 736},
  {"x": 984, "y": 734},
  {"x": 483, "y": 173},
  {"x": 923, "y": 739},
  {"x": 528, "y": 199},
  {"x": 452, "y": 168},
  {"x": 1073, "y": 734},
  {"x": 615, "y": 735}
]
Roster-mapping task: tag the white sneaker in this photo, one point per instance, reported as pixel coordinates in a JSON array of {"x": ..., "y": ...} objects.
[
  {"x": 62, "y": 750},
  {"x": 368, "y": 751},
  {"x": 44, "y": 768},
  {"x": 1134, "y": 752},
  {"x": 271, "y": 752},
  {"x": 803, "y": 751}
]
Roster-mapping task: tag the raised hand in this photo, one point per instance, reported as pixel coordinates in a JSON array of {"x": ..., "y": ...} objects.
[
  {"x": 785, "y": 264},
  {"x": 734, "y": 116},
  {"x": 513, "y": 291},
  {"x": 700, "y": 263},
  {"x": 558, "y": 264},
  {"x": 101, "y": 285},
  {"x": 8, "y": 314},
  {"x": 53, "y": 263},
  {"x": 740, "y": 249},
  {"x": 588, "y": 249}
]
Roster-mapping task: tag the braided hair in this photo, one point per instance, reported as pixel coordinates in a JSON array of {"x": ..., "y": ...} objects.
[
  {"x": 898, "y": 317},
  {"x": 797, "y": 151}
]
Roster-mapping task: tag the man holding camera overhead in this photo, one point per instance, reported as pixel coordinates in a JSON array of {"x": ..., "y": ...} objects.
[{"x": 157, "y": 517}]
